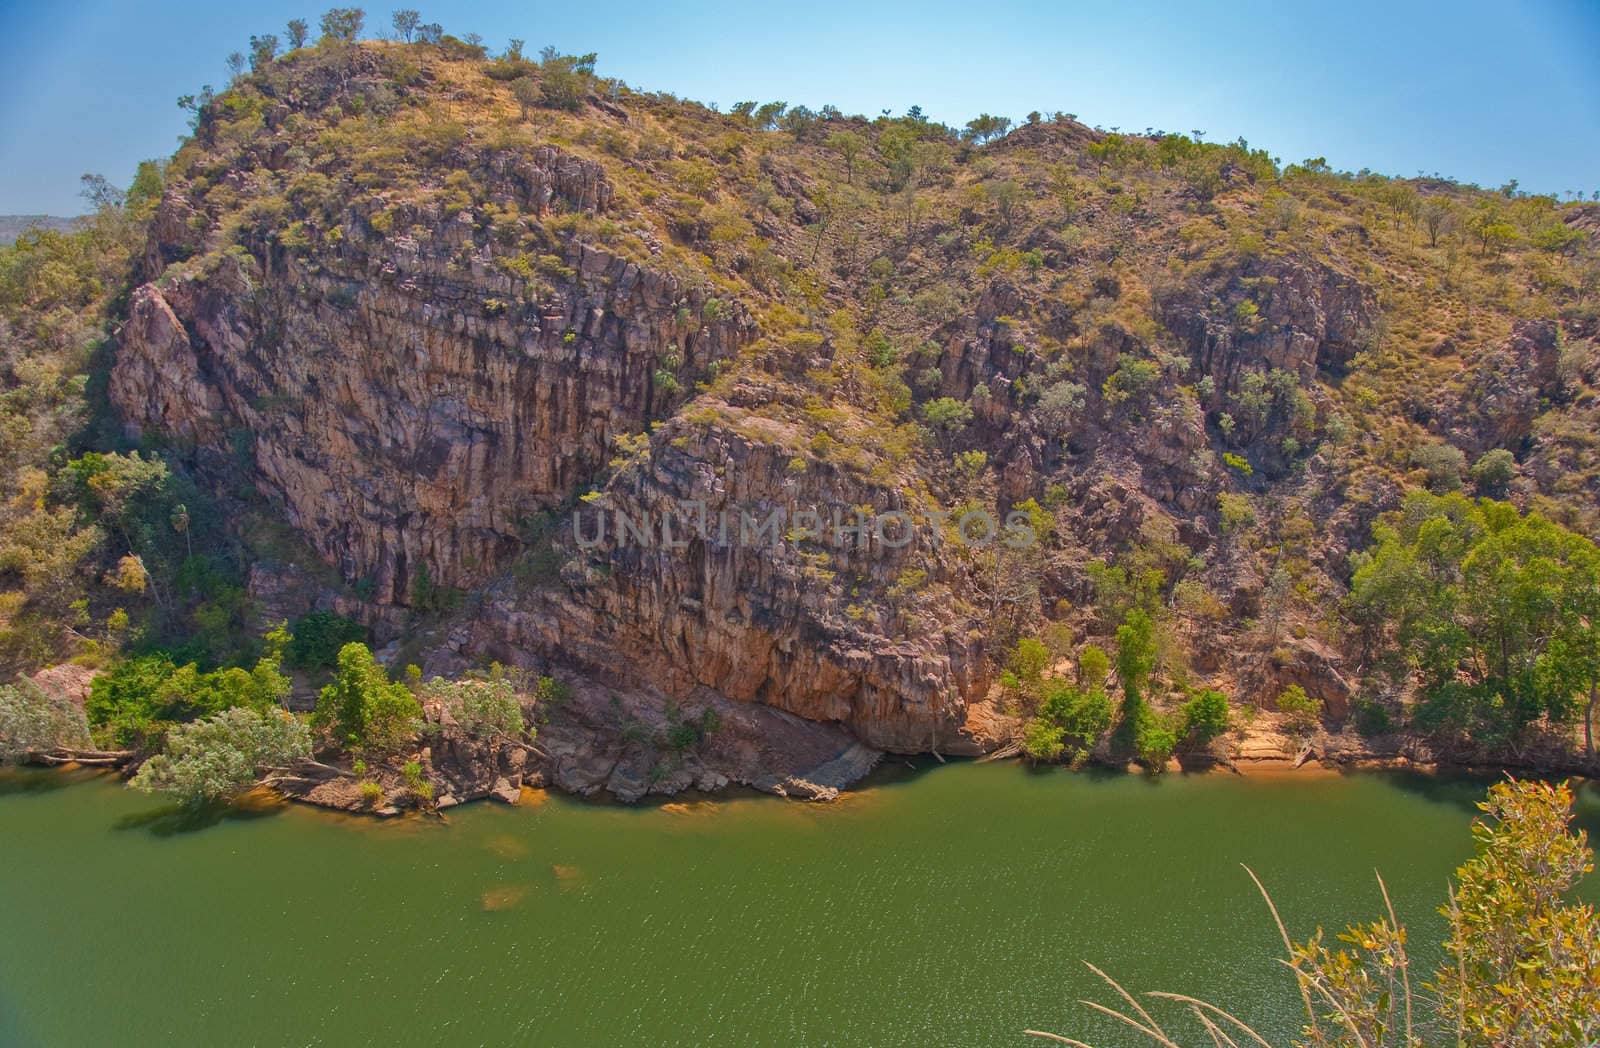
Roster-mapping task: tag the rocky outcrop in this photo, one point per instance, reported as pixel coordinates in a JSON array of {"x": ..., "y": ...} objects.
[
  {"x": 414, "y": 402},
  {"x": 692, "y": 564},
  {"x": 411, "y": 410},
  {"x": 1510, "y": 386},
  {"x": 1298, "y": 316}
]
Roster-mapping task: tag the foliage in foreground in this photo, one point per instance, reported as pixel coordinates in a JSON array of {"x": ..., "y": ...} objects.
[{"x": 1522, "y": 964}]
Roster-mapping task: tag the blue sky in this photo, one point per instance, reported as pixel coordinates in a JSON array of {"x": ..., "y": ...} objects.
[{"x": 1483, "y": 92}]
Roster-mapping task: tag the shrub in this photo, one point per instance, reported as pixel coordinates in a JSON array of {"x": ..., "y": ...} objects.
[
  {"x": 1029, "y": 659},
  {"x": 488, "y": 706},
  {"x": 1443, "y": 464},
  {"x": 1042, "y": 739},
  {"x": 140, "y": 697},
  {"x": 1235, "y": 512},
  {"x": 1205, "y": 716},
  {"x": 1494, "y": 472},
  {"x": 1301, "y": 710},
  {"x": 217, "y": 757},
  {"x": 1093, "y": 667},
  {"x": 1371, "y": 716},
  {"x": 416, "y": 782},
  {"x": 33, "y": 720},
  {"x": 946, "y": 414},
  {"x": 1153, "y": 739},
  {"x": 1133, "y": 378},
  {"x": 363, "y": 709}
]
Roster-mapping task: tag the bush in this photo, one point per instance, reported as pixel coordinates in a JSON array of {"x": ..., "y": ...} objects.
[
  {"x": 142, "y": 696},
  {"x": 1070, "y": 721},
  {"x": 1028, "y": 660},
  {"x": 1042, "y": 739},
  {"x": 33, "y": 720},
  {"x": 1094, "y": 665},
  {"x": 363, "y": 709},
  {"x": 1494, "y": 472},
  {"x": 1134, "y": 377},
  {"x": 489, "y": 706},
  {"x": 1153, "y": 739},
  {"x": 1301, "y": 710},
  {"x": 222, "y": 755},
  {"x": 416, "y": 782},
  {"x": 317, "y": 638},
  {"x": 1371, "y": 716},
  {"x": 1235, "y": 512},
  {"x": 1205, "y": 716},
  {"x": 1444, "y": 465}
]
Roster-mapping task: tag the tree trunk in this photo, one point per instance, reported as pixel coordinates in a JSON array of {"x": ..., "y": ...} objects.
[{"x": 1588, "y": 721}]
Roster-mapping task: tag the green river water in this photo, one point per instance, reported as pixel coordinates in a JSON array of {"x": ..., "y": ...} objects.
[{"x": 952, "y": 905}]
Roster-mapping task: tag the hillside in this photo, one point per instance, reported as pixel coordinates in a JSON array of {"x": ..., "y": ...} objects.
[
  {"x": 13, "y": 226},
  {"x": 442, "y": 315}
]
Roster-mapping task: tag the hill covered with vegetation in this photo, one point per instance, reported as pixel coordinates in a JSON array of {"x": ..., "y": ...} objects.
[{"x": 1266, "y": 445}]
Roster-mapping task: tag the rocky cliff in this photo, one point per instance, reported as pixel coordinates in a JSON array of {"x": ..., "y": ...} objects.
[{"x": 464, "y": 350}]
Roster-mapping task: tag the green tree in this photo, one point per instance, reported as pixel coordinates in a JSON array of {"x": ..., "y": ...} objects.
[
  {"x": 1136, "y": 655},
  {"x": 1486, "y": 606},
  {"x": 405, "y": 23},
  {"x": 1524, "y": 961},
  {"x": 33, "y": 720},
  {"x": 528, "y": 94},
  {"x": 343, "y": 24},
  {"x": 1494, "y": 471},
  {"x": 947, "y": 415},
  {"x": 848, "y": 145},
  {"x": 1042, "y": 740},
  {"x": 217, "y": 757},
  {"x": 263, "y": 49},
  {"x": 298, "y": 33},
  {"x": 566, "y": 78},
  {"x": 1205, "y": 716},
  {"x": 1029, "y": 660},
  {"x": 363, "y": 709},
  {"x": 1443, "y": 463},
  {"x": 984, "y": 127},
  {"x": 1093, "y": 667},
  {"x": 317, "y": 638},
  {"x": 1301, "y": 710},
  {"x": 1437, "y": 218},
  {"x": 487, "y": 706}
]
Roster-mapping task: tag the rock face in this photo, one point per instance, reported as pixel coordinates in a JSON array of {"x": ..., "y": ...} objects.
[
  {"x": 412, "y": 403},
  {"x": 1307, "y": 316},
  {"x": 709, "y": 593}
]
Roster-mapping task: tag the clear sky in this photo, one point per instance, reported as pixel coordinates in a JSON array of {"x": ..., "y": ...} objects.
[{"x": 1480, "y": 91}]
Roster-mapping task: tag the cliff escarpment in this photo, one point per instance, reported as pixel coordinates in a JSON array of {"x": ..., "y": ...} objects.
[{"x": 510, "y": 370}]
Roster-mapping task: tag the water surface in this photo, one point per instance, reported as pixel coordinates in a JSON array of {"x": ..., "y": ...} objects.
[{"x": 953, "y": 905}]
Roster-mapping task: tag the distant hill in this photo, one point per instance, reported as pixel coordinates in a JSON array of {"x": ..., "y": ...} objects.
[{"x": 12, "y": 226}]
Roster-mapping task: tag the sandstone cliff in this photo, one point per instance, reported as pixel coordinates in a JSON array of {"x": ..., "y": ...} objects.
[{"x": 445, "y": 346}]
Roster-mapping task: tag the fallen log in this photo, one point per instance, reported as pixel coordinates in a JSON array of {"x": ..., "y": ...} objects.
[{"x": 91, "y": 758}]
